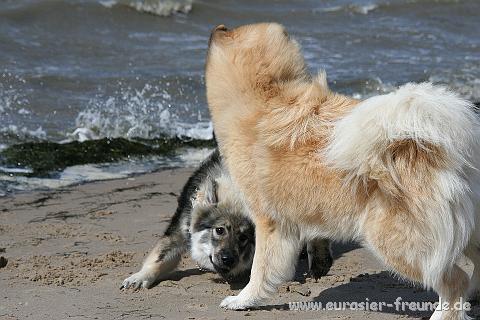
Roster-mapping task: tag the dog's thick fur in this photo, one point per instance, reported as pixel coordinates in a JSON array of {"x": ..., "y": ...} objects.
[{"x": 396, "y": 171}]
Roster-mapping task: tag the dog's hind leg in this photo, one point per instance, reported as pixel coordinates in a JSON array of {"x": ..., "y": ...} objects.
[
  {"x": 160, "y": 261},
  {"x": 410, "y": 247},
  {"x": 473, "y": 253},
  {"x": 452, "y": 292},
  {"x": 319, "y": 257},
  {"x": 451, "y": 285},
  {"x": 276, "y": 251}
]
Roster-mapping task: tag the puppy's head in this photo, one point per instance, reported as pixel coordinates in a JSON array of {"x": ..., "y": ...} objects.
[
  {"x": 223, "y": 237},
  {"x": 253, "y": 56},
  {"x": 229, "y": 240}
]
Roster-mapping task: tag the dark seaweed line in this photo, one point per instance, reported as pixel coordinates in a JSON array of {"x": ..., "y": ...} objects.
[{"x": 45, "y": 159}]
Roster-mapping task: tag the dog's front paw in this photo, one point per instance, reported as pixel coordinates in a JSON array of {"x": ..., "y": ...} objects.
[
  {"x": 138, "y": 280},
  {"x": 237, "y": 303},
  {"x": 320, "y": 267}
]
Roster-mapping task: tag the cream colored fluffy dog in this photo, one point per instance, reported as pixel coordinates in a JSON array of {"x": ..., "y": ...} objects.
[{"x": 395, "y": 171}]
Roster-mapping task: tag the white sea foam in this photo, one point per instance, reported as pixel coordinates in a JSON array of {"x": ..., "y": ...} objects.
[
  {"x": 136, "y": 113},
  {"x": 465, "y": 84},
  {"x": 15, "y": 170},
  {"x": 23, "y": 133},
  {"x": 363, "y": 9},
  {"x": 21, "y": 183},
  {"x": 199, "y": 130},
  {"x": 95, "y": 172},
  {"x": 69, "y": 176},
  {"x": 10, "y": 97},
  {"x": 353, "y": 8},
  {"x": 193, "y": 157},
  {"x": 81, "y": 135},
  {"x": 157, "y": 7},
  {"x": 14, "y": 107}
]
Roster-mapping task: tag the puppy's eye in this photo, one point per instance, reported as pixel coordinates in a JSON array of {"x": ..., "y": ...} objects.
[{"x": 219, "y": 231}]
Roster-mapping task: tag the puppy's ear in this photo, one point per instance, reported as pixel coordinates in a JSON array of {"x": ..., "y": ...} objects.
[
  {"x": 206, "y": 195},
  {"x": 211, "y": 195}
]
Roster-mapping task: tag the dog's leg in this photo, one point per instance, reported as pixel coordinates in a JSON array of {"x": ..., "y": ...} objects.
[
  {"x": 451, "y": 285},
  {"x": 161, "y": 260},
  {"x": 452, "y": 290},
  {"x": 404, "y": 245},
  {"x": 319, "y": 257},
  {"x": 276, "y": 252},
  {"x": 473, "y": 253}
]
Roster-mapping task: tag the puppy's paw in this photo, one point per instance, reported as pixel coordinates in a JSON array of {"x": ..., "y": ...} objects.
[
  {"x": 320, "y": 267},
  {"x": 319, "y": 257},
  {"x": 237, "y": 303},
  {"x": 138, "y": 280},
  {"x": 475, "y": 296}
]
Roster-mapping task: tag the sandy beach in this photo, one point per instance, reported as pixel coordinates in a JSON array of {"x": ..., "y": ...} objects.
[
  {"x": 67, "y": 252},
  {"x": 115, "y": 89}
]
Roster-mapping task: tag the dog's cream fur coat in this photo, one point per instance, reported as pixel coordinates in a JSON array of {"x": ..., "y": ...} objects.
[{"x": 397, "y": 171}]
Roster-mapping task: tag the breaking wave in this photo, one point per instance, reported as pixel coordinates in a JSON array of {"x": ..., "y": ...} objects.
[
  {"x": 352, "y": 8},
  {"x": 145, "y": 113},
  {"x": 157, "y": 7}
]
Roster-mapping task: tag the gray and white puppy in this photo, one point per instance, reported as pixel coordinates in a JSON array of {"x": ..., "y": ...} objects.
[{"x": 213, "y": 224}]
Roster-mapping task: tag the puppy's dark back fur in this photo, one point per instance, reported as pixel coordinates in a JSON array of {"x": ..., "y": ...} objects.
[{"x": 189, "y": 190}]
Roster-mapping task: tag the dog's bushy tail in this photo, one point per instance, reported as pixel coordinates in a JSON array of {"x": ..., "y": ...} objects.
[{"x": 418, "y": 142}]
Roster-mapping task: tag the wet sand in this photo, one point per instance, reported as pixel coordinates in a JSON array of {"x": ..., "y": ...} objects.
[{"x": 64, "y": 254}]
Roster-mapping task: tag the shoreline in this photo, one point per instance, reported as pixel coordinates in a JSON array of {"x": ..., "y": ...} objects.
[{"x": 69, "y": 249}]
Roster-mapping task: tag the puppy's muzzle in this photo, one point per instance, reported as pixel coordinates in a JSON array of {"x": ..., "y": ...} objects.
[{"x": 225, "y": 260}]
